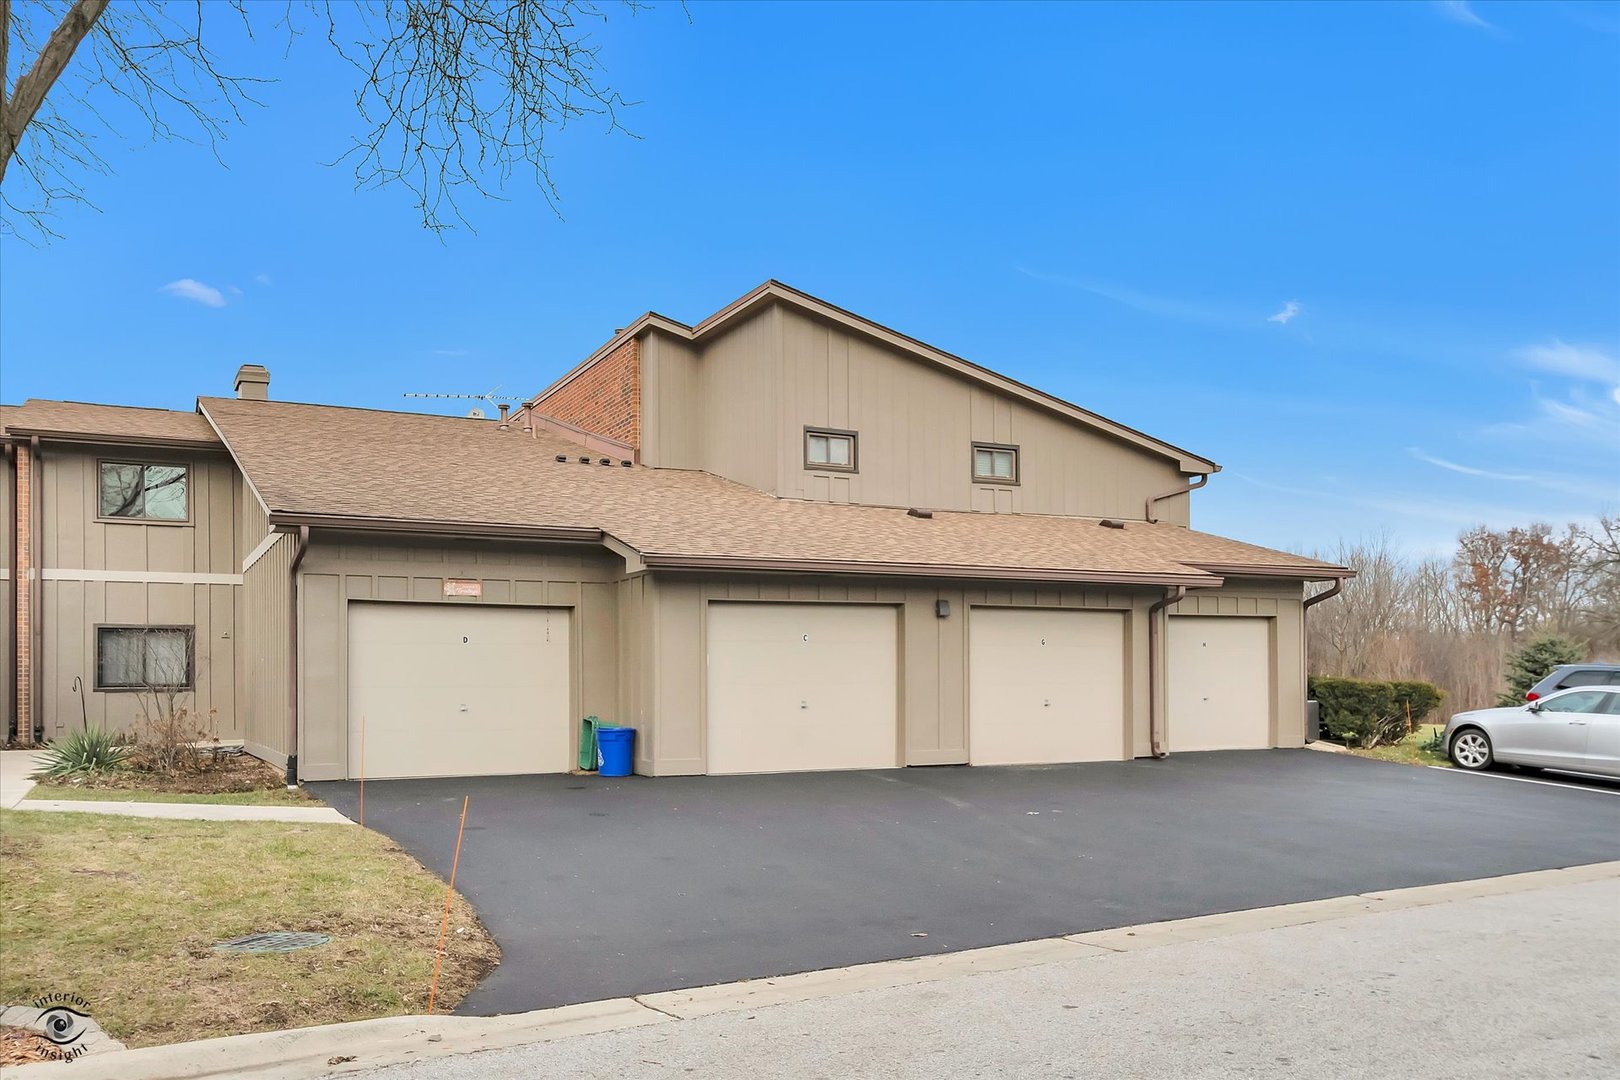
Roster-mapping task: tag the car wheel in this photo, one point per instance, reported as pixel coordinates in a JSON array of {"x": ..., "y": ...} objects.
[{"x": 1471, "y": 749}]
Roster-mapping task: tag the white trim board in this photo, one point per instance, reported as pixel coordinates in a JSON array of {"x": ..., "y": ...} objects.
[
  {"x": 258, "y": 553},
  {"x": 142, "y": 577}
]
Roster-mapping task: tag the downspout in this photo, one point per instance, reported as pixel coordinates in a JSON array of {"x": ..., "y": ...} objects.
[
  {"x": 1156, "y": 669},
  {"x": 1325, "y": 594},
  {"x": 13, "y": 598},
  {"x": 1192, "y": 485},
  {"x": 292, "y": 655},
  {"x": 36, "y": 591}
]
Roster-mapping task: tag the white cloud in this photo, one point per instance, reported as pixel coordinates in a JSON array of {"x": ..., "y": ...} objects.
[
  {"x": 1466, "y": 470},
  {"x": 1458, "y": 11},
  {"x": 191, "y": 289},
  {"x": 235, "y": 290},
  {"x": 450, "y": 352},
  {"x": 1590, "y": 362},
  {"x": 1162, "y": 306},
  {"x": 1289, "y": 310},
  {"x": 262, "y": 279}
]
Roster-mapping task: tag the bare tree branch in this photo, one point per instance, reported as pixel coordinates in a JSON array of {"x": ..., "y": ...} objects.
[{"x": 455, "y": 96}]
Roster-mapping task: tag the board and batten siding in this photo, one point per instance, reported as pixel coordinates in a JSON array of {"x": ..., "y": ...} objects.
[
  {"x": 933, "y": 677},
  {"x": 1281, "y": 603},
  {"x": 738, "y": 407},
  {"x": 264, "y": 651},
  {"x": 334, "y": 572},
  {"x": 138, "y": 573}
]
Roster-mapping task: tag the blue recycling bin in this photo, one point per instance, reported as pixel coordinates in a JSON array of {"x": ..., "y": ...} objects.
[{"x": 615, "y": 750}]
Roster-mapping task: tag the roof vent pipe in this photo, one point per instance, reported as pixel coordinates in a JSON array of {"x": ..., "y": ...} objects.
[{"x": 505, "y": 423}]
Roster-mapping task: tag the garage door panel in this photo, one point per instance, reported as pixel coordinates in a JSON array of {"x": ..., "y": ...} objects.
[
  {"x": 802, "y": 687},
  {"x": 1045, "y": 686},
  {"x": 1220, "y": 682},
  {"x": 458, "y": 690}
]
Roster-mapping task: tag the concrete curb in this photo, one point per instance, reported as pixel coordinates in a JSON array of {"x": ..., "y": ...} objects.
[
  {"x": 368, "y": 1044},
  {"x": 301, "y": 815}
]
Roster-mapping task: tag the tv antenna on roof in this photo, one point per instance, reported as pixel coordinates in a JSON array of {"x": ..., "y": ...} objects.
[{"x": 494, "y": 397}]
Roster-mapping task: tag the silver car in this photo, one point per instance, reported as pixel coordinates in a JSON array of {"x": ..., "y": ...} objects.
[{"x": 1576, "y": 729}]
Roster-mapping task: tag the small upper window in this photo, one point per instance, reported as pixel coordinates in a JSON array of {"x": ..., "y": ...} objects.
[
  {"x": 143, "y": 657},
  {"x": 995, "y": 464},
  {"x": 150, "y": 492},
  {"x": 829, "y": 449}
]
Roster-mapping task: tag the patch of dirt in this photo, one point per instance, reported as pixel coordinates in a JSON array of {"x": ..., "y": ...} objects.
[
  {"x": 19, "y": 1046},
  {"x": 231, "y": 773}
]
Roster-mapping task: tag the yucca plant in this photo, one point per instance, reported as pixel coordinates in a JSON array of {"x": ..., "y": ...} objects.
[{"x": 88, "y": 751}]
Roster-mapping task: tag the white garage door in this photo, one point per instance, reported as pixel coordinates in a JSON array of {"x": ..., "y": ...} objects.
[
  {"x": 458, "y": 690},
  {"x": 802, "y": 687},
  {"x": 1219, "y": 673},
  {"x": 1045, "y": 686}
]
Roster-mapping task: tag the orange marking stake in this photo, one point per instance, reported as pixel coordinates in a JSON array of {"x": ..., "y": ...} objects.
[{"x": 449, "y": 894}]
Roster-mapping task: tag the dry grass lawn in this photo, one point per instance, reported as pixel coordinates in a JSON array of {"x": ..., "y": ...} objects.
[
  {"x": 1410, "y": 750},
  {"x": 125, "y": 911}
]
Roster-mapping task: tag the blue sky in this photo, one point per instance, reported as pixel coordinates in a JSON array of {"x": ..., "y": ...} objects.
[{"x": 1365, "y": 256}]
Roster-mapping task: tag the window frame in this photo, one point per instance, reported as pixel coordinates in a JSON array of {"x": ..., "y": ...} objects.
[
  {"x": 143, "y": 466},
  {"x": 190, "y": 633},
  {"x": 1018, "y": 464},
  {"x": 854, "y": 438}
]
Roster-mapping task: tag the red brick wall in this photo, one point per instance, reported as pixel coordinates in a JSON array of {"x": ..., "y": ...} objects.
[
  {"x": 22, "y": 588},
  {"x": 604, "y": 399}
]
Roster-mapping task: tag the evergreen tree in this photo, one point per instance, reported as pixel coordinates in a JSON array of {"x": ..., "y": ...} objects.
[{"x": 1534, "y": 661}]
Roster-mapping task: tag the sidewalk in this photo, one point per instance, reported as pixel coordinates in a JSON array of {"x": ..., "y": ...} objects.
[
  {"x": 1396, "y": 984},
  {"x": 15, "y": 767}
]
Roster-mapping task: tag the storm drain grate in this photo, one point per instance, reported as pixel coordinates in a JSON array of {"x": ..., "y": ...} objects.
[{"x": 273, "y": 941}]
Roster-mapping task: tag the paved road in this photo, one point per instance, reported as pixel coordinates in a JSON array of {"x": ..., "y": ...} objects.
[
  {"x": 606, "y": 888},
  {"x": 1524, "y": 985}
]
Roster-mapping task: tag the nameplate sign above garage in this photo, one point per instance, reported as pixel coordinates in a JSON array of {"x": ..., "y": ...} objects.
[{"x": 463, "y": 587}]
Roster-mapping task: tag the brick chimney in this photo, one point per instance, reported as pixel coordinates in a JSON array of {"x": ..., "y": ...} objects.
[{"x": 253, "y": 383}]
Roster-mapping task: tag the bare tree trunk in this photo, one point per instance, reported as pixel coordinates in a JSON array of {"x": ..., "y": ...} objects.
[{"x": 29, "y": 94}]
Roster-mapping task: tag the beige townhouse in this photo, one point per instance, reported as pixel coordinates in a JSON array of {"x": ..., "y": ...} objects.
[{"x": 784, "y": 538}]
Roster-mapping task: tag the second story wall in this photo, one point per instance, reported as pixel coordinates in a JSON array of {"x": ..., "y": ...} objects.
[
  {"x": 739, "y": 405},
  {"x": 77, "y": 537}
]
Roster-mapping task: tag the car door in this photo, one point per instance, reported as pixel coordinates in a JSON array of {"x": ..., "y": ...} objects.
[
  {"x": 1603, "y": 738},
  {"x": 1560, "y": 739}
]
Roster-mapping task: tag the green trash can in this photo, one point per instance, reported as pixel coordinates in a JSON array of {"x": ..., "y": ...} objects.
[{"x": 587, "y": 743}]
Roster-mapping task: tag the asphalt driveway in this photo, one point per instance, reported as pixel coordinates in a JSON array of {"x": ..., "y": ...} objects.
[{"x": 603, "y": 888}]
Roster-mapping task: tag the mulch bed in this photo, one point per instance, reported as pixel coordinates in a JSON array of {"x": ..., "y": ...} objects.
[
  {"x": 19, "y": 1046},
  {"x": 232, "y": 772}
]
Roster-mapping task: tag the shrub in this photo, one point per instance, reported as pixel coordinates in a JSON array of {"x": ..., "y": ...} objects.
[
  {"x": 1366, "y": 713},
  {"x": 83, "y": 752},
  {"x": 1534, "y": 661}
]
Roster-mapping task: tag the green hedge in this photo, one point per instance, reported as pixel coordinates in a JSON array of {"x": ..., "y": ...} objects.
[{"x": 1366, "y": 712}]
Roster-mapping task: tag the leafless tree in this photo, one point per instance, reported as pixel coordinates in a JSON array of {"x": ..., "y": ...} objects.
[{"x": 453, "y": 96}]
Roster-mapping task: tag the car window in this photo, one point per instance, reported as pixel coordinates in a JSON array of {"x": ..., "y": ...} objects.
[
  {"x": 1614, "y": 678},
  {"x": 1585, "y": 701},
  {"x": 1584, "y": 677}
]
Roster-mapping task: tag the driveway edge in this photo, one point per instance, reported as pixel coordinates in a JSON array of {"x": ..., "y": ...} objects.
[{"x": 368, "y": 1044}]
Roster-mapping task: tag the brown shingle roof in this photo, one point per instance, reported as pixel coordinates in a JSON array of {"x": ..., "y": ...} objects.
[
  {"x": 109, "y": 423},
  {"x": 357, "y": 465}
]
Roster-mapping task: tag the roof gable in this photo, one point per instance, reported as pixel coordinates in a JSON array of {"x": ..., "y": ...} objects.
[{"x": 776, "y": 292}]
